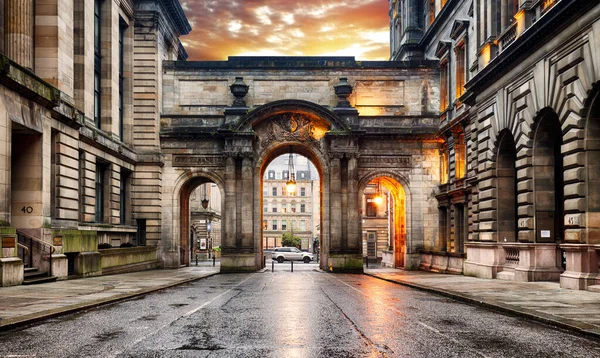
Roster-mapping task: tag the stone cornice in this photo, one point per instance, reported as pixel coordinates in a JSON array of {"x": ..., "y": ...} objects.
[
  {"x": 26, "y": 83},
  {"x": 555, "y": 20},
  {"x": 177, "y": 14}
]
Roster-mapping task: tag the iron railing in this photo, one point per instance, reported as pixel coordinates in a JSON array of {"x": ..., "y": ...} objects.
[
  {"x": 27, "y": 245},
  {"x": 512, "y": 255}
]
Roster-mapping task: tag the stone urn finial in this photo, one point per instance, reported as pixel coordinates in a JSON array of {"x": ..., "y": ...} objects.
[
  {"x": 342, "y": 91},
  {"x": 239, "y": 89}
]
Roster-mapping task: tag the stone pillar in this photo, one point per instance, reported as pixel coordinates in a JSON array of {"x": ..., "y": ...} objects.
[
  {"x": 247, "y": 203},
  {"x": 19, "y": 32},
  {"x": 230, "y": 207},
  {"x": 335, "y": 198},
  {"x": 354, "y": 236}
]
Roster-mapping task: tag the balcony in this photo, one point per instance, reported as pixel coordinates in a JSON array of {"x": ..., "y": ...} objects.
[{"x": 507, "y": 37}]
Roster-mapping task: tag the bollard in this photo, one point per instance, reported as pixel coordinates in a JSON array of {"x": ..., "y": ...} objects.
[
  {"x": 292, "y": 265},
  {"x": 367, "y": 262},
  {"x": 214, "y": 259},
  {"x": 272, "y": 266},
  {"x": 196, "y": 259},
  {"x": 264, "y": 261}
]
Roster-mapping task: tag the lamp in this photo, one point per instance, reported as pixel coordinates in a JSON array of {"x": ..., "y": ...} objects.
[
  {"x": 204, "y": 201},
  {"x": 378, "y": 197},
  {"x": 290, "y": 185}
]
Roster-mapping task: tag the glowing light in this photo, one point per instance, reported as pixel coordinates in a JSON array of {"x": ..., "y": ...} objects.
[
  {"x": 378, "y": 199},
  {"x": 290, "y": 186}
]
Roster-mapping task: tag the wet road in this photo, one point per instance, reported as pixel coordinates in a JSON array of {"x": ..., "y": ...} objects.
[{"x": 302, "y": 314}]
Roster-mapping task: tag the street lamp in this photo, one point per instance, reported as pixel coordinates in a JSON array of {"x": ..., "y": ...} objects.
[
  {"x": 290, "y": 185},
  {"x": 378, "y": 197}
]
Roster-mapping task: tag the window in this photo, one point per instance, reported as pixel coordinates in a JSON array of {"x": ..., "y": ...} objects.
[
  {"x": 460, "y": 155},
  {"x": 274, "y": 191},
  {"x": 140, "y": 234},
  {"x": 284, "y": 225},
  {"x": 265, "y": 207},
  {"x": 271, "y": 174},
  {"x": 97, "y": 63},
  {"x": 122, "y": 28},
  {"x": 431, "y": 14},
  {"x": 123, "y": 196},
  {"x": 293, "y": 224},
  {"x": 283, "y": 207},
  {"x": 302, "y": 191},
  {"x": 444, "y": 166},
  {"x": 100, "y": 195},
  {"x": 444, "y": 85},
  {"x": 302, "y": 208},
  {"x": 265, "y": 225},
  {"x": 371, "y": 208},
  {"x": 274, "y": 208},
  {"x": 286, "y": 175},
  {"x": 293, "y": 207},
  {"x": 266, "y": 192},
  {"x": 274, "y": 224},
  {"x": 302, "y": 225},
  {"x": 460, "y": 69}
]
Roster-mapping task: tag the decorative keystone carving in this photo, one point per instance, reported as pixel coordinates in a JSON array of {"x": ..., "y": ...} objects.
[
  {"x": 342, "y": 91},
  {"x": 290, "y": 127},
  {"x": 239, "y": 89}
]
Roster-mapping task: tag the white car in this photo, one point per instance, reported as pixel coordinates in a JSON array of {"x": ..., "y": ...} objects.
[{"x": 281, "y": 254}]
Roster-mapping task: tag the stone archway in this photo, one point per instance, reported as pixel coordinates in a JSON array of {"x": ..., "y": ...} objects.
[{"x": 399, "y": 219}]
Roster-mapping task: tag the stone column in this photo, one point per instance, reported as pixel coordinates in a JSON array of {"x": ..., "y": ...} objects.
[
  {"x": 19, "y": 32},
  {"x": 247, "y": 202},
  {"x": 335, "y": 198},
  {"x": 230, "y": 204},
  {"x": 354, "y": 237}
]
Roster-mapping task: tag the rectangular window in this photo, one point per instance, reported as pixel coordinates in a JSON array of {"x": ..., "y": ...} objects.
[
  {"x": 265, "y": 207},
  {"x": 274, "y": 209},
  {"x": 444, "y": 85},
  {"x": 274, "y": 224},
  {"x": 271, "y": 174},
  {"x": 460, "y": 70},
  {"x": 460, "y": 157},
  {"x": 286, "y": 175},
  {"x": 275, "y": 191},
  {"x": 284, "y": 225},
  {"x": 122, "y": 28},
  {"x": 293, "y": 208},
  {"x": 97, "y": 63},
  {"x": 100, "y": 194},
  {"x": 371, "y": 208},
  {"x": 265, "y": 225},
  {"x": 302, "y": 225},
  {"x": 302, "y": 208},
  {"x": 283, "y": 207},
  {"x": 140, "y": 235},
  {"x": 302, "y": 191},
  {"x": 266, "y": 192},
  {"x": 123, "y": 197}
]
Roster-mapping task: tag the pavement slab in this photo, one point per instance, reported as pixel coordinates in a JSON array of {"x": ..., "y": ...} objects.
[{"x": 22, "y": 305}]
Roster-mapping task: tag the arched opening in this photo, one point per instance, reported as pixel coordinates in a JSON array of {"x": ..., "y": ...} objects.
[
  {"x": 294, "y": 213},
  {"x": 200, "y": 233},
  {"x": 592, "y": 147},
  {"x": 383, "y": 221},
  {"x": 548, "y": 179},
  {"x": 291, "y": 214},
  {"x": 506, "y": 174}
]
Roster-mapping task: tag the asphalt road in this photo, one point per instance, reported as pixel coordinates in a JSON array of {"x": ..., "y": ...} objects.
[{"x": 302, "y": 314}]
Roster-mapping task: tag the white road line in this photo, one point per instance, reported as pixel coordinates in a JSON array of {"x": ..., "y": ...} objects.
[
  {"x": 185, "y": 315},
  {"x": 214, "y": 299},
  {"x": 421, "y": 323}
]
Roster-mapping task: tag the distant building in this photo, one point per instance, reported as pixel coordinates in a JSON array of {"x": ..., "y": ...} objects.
[
  {"x": 205, "y": 222},
  {"x": 297, "y": 212}
]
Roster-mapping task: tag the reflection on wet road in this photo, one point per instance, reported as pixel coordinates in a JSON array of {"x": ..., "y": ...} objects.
[{"x": 300, "y": 314}]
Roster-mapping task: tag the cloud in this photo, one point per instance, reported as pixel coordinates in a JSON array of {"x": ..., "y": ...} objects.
[{"x": 223, "y": 28}]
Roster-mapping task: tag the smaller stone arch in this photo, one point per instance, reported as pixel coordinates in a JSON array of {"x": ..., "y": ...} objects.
[
  {"x": 506, "y": 183},
  {"x": 177, "y": 238},
  {"x": 397, "y": 185}
]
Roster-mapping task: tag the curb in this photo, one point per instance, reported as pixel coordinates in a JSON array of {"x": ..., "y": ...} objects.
[
  {"x": 16, "y": 322},
  {"x": 577, "y": 327}
]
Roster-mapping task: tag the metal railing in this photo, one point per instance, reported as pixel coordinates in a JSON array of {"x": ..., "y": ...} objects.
[
  {"x": 512, "y": 255},
  {"x": 27, "y": 244}
]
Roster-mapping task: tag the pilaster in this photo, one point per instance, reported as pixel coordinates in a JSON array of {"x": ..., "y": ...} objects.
[{"x": 19, "y": 32}]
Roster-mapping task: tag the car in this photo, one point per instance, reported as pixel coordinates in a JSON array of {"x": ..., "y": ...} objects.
[{"x": 281, "y": 254}]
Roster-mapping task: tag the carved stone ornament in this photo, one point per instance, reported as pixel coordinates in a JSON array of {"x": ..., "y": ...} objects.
[{"x": 289, "y": 127}]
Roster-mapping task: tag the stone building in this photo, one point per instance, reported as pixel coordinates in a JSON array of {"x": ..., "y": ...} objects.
[
  {"x": 519, "y": 109},
  {"x": 292, "y": 212},
  {"x": 205, "y": 218},
  {"x": 79, "y": 146}
]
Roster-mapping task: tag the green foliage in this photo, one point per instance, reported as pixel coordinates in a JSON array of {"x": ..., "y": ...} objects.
[
  {"x": 218, "y": 248},
  {"x": 288, "y": 240}
]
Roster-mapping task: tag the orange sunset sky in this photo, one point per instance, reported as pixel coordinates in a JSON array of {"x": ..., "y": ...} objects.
[{"x": 222, "y": 28}]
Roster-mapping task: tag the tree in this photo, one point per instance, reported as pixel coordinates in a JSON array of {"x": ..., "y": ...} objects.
[{"x": 289, "y": 240}]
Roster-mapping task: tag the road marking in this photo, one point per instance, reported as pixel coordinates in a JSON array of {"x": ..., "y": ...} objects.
[
  {"x": 171, "y": 322},
  {"x": 421, "y": 323},
  {"x": 214, "y": 299}
]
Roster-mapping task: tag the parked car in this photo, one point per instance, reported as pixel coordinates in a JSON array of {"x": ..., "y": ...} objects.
[{"x": 281, "y": 254}]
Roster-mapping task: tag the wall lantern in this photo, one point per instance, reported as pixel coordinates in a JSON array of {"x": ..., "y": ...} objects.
[
  {"x": 378, "y": 197},
  {"x": 290, "y": 185}
]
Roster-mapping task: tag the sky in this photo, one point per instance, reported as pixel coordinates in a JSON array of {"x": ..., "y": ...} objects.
[{"x": 222, "y": 28}]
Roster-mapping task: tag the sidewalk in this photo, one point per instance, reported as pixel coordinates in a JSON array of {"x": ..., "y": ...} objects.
[
  {"x": 21, "y": 305},
  {"x": 541, "y": 301}
]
